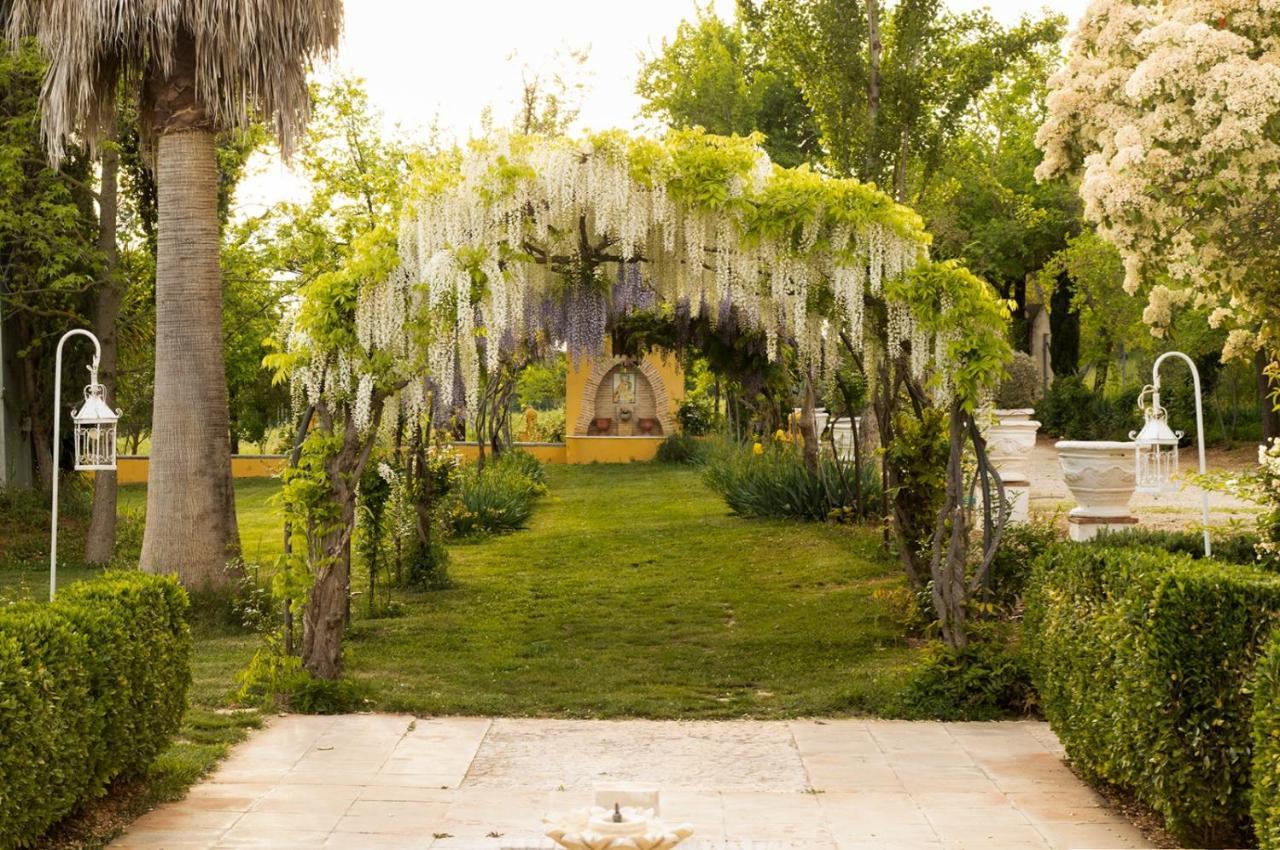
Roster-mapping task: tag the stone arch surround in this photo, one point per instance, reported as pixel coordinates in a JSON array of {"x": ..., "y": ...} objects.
[{"x": 605, "y": 365}]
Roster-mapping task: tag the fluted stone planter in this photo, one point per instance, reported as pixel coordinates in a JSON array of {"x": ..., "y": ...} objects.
[
  {"x": 1101, "y": 476},
  {"x": 1009, "y": 444}
]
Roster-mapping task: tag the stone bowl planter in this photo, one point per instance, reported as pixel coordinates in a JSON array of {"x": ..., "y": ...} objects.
[
  {"x": 1010, "y": 441},
  {"x": 1101, "y": 476}
]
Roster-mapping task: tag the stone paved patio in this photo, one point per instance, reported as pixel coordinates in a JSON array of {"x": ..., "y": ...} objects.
[{"x": 387, "y": 781}]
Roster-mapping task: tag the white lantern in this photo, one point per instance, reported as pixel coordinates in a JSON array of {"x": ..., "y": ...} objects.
[
  {"x": 1156, "y": 447},
  {"x": 95, "y": 428}
]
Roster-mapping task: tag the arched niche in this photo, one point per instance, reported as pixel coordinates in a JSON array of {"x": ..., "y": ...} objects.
[{"x": 632, "y": 396}]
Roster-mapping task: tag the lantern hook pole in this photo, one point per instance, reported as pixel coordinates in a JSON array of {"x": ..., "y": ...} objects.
[
  {"x": 57, "y": 438},
  {"x": 1195, "y": 380}
]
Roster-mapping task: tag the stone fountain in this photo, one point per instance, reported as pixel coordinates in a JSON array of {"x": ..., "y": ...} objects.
[{"x": 623, "y": 828}]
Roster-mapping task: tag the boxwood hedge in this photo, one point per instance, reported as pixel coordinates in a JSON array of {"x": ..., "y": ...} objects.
[
  {"x": 1144, "y": 661},
  {"x": 1266, "y": 747},
  {"x": 92, "y": 687}
]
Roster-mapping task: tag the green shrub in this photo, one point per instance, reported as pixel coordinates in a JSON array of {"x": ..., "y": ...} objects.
[
  {"x": 524, "y": 463},
  {"x": 680, "y": 448},
  {"x": 275, "y": 681},
  {"x": 696, "y": 417},
  {"x": 1143, "y": 661},
  {"x": 92, "y": 687},
  {"x": 985, "y": 681},
  {"x": 498, "y": 498},
  {"x": 1230, "y": 548},
  {"x": 1266, "y": 747},
  {"x": 1019, "y": 547},
  {"x": 776, "y": 483},
  {"x": 1072, "y": 411},
  {"x": 1021, "y": 386}
]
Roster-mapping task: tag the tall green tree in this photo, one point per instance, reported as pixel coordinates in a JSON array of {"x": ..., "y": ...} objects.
[
  {"x": 48, "y": 257},
  {"x": 202, "y": 67},
  {"x": 890, "y": 88},
  {"x": 718, "y": 75}
]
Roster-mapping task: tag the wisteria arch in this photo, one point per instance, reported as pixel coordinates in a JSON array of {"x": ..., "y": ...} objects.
[{"x": 532, "y": 241}]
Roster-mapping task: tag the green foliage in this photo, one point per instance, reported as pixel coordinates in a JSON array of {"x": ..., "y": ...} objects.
[
  {"x": 696, "y": 417},
  {"x": 1143, "y": 661},
  {"x": 1234, "y": 548},
  {"x": 1021, "y": 385},
  {"x": 1266, "y": 747},
  {"x": 680, "y": 448},
  {"x": 92, "y": 687},
  {"x": 1021, "y": 544},
  {"x": 775, "y": 483},
  {"x": 541, "y": 385},
  {"x": 985, "y": 681},
  {"x": 1072, "y": 411},
  {"x": 934, "y": 65},
  {"x": 948, "y": 300},
  {"x": 523, "y": 463},
  {"x": 495, "y": 499},
  {"x": 918, "y": 454},
  {"x": 713, "y": 75},
  {"x": 277, "y": 681}
]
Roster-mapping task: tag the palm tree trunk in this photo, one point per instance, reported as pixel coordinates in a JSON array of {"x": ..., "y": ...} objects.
[
  {"x": 189, "y": 496},
  {"x": 100, "y": 541}
]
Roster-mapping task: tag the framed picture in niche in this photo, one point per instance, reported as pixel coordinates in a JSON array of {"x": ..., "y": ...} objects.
[{"x": 624, "y": 387}]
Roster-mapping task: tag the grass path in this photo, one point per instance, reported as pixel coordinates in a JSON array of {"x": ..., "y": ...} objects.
[{"x": 634, "y": 592}]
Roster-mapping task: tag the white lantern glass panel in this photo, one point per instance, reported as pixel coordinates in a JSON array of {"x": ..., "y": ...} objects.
[
  {"x": 1156, "y": 451},
  {"x": 95, "y": 431}
]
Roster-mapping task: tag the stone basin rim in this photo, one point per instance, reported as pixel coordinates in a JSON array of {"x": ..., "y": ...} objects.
[{"x": 1101, "y": 445}]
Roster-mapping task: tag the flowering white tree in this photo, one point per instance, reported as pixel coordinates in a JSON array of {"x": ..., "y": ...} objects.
[{"x": 1171, "y": 110}]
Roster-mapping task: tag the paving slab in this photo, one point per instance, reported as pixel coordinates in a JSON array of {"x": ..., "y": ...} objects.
[{"x": 395, "y": 782}]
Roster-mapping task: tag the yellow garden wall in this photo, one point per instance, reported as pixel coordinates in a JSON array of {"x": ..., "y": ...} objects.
[
  {"x": 132, "y": 469},
  {"x": 545, "y": 452}
]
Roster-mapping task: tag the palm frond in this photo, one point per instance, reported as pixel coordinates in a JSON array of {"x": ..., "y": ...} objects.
[{"x": 251, "y": 58}]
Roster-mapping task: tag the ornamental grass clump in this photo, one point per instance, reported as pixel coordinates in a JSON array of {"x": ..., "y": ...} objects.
[
  {"x": 773, "y": 482},
  {"x": 494, "y": 499}
]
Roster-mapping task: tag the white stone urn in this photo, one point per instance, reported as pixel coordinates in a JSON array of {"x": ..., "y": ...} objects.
[
  {"x": 1010, "y": 441},
  {"x": 1100, "y": 474}
]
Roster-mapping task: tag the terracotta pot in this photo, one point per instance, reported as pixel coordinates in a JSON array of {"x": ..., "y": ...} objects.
[
  {"x": 602, "y": 423},
  {"x": 646, "y": 425},
  {"x": 1100, "y": 475}
]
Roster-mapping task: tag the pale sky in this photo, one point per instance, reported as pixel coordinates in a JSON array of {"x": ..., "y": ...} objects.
[{"x": 426, "y": 62}]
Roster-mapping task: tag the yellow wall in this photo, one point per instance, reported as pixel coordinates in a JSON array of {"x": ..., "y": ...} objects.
[
  {"x": 610, "y": 449},
  {"x": 132, "y": 469},
  {"x": 582, "y": 449},
  {"x": 545, "y": 452}
]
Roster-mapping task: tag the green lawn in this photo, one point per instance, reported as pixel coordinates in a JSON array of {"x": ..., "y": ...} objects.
[{"x": 634, "y": 592}]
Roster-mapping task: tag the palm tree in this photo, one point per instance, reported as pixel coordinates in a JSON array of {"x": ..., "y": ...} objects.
[{"x": 196, "y": 67}]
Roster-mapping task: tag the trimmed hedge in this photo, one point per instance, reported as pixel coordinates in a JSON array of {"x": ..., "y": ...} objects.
[
  {"x": 1266, "y": 748},
  {"x": 92, "y": 687},
  {"x": 1144, "y": 660}
]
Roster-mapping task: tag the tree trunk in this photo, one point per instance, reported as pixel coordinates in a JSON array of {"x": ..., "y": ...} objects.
[
  {"x": 189, "y": 496},
  {"x": 808, "y": 426},
  {"x": 1266, "y": 397},
  {"x": 100, "y": 540},
  {"x": 873, "y": 90}
]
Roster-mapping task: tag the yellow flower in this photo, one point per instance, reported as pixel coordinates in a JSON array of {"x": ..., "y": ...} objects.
[
  {"x": 757, "y": 449},
  {"x": 780, "y": 436}
]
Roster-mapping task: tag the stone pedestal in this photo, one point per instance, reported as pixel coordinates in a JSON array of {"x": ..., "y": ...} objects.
[
  {"x": 1009, "y": 444},
  {"x": 1101, "y": 476}
]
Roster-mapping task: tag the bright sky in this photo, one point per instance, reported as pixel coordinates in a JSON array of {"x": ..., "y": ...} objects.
[{"x": 444, "y": 62}]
